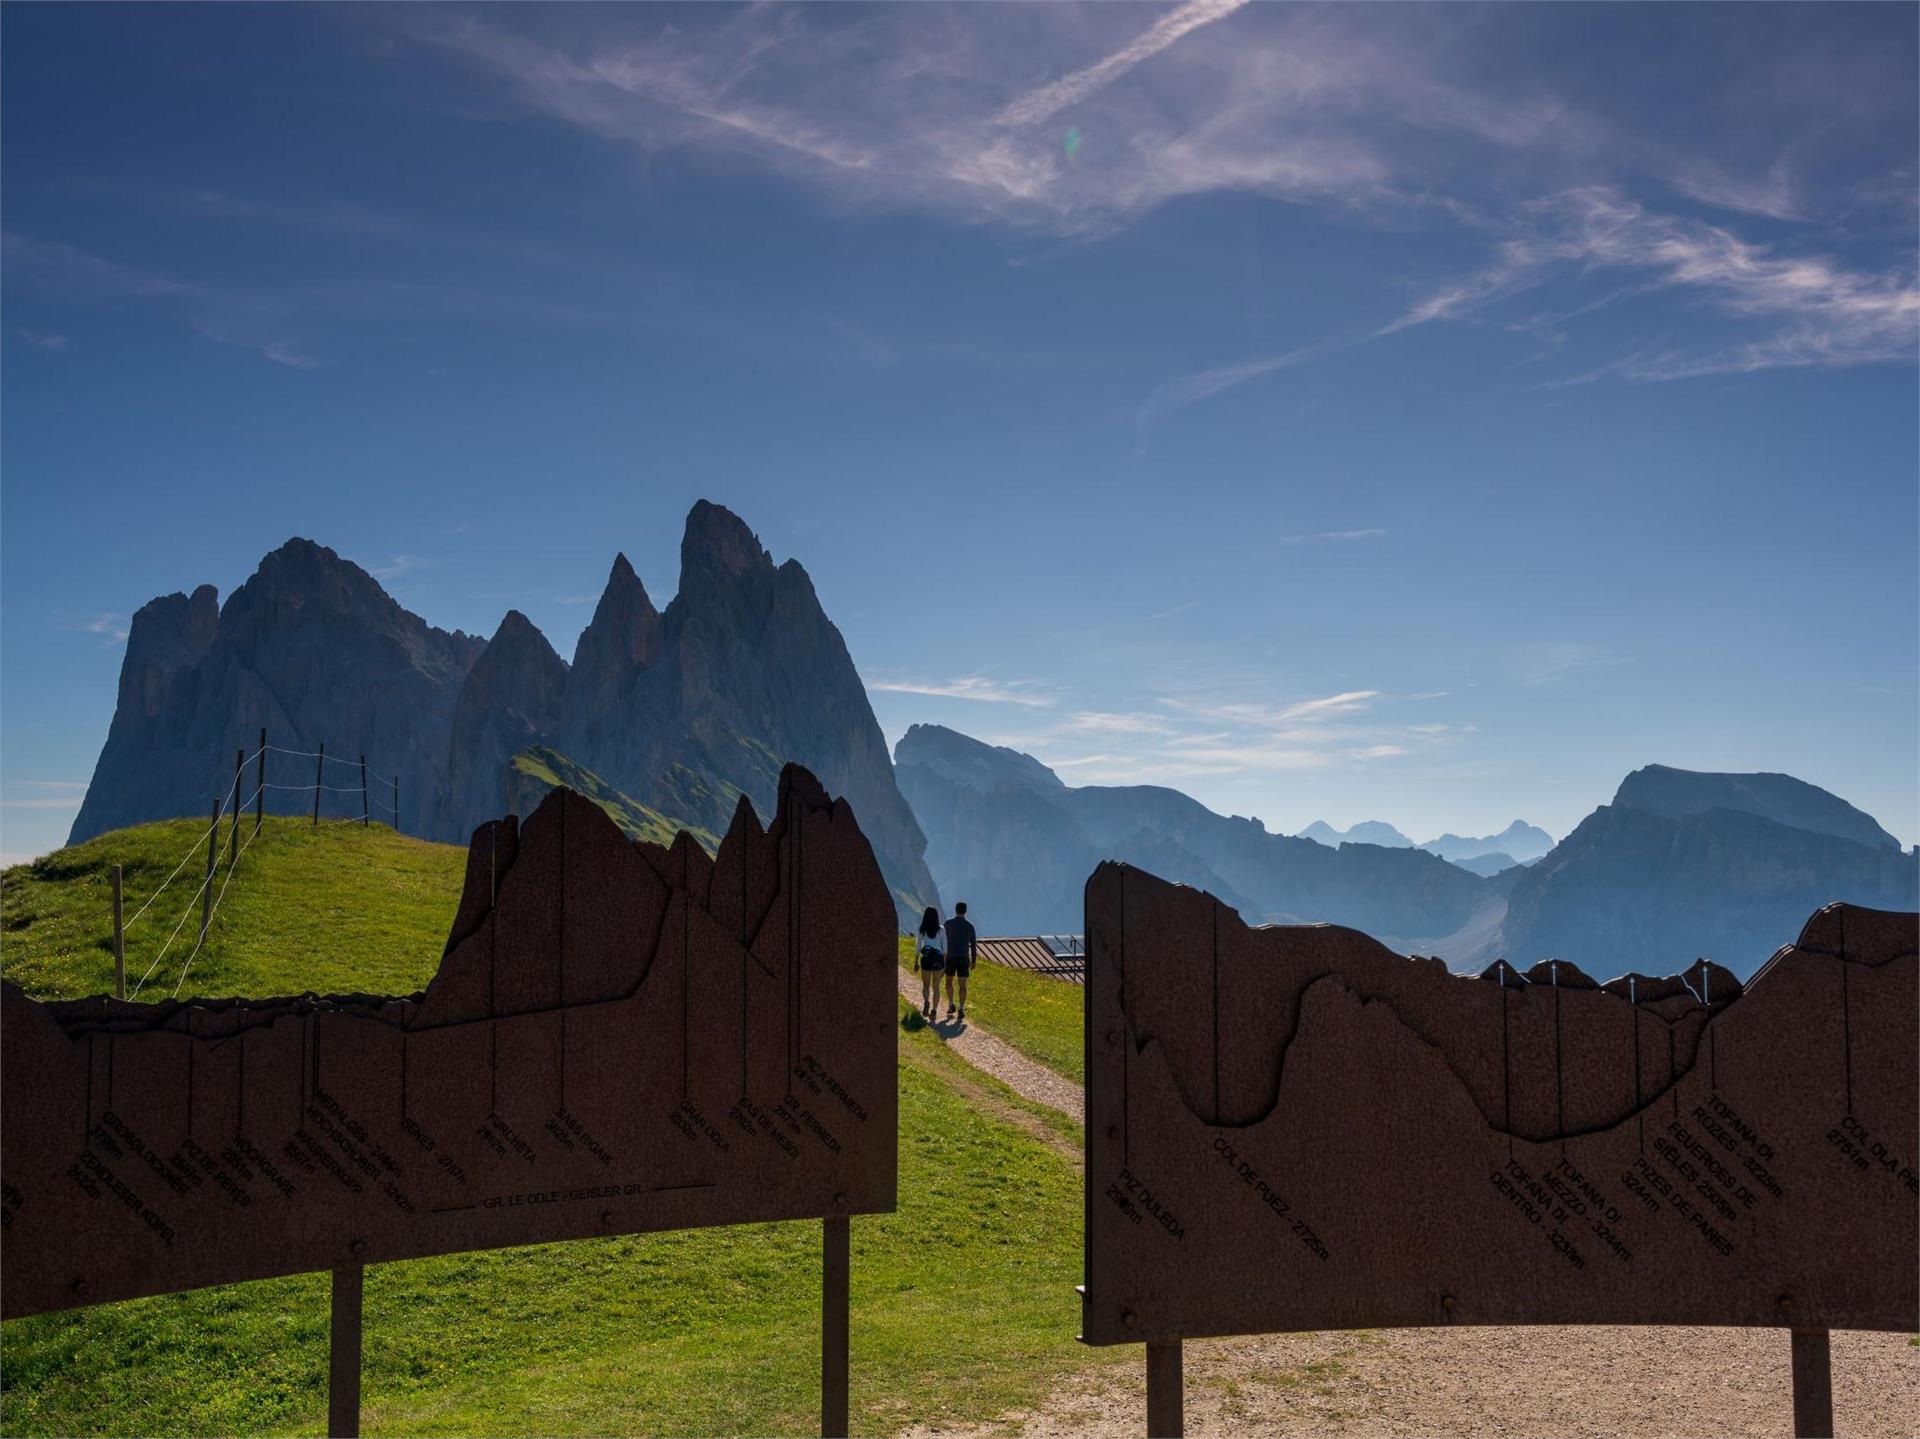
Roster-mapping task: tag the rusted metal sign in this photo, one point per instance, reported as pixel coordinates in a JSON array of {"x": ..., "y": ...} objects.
[
  {"x": 1294, "y": 1128},
  {"x": 620, "y": 1038}
]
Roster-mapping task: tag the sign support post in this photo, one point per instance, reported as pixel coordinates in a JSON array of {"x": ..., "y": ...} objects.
[
  {"x": 834, "y": 1306},
  {"x": 1166, "y": 1418},
  {"x": 1812, "y": 1384},
  {"x": 343, "y": 1358}
]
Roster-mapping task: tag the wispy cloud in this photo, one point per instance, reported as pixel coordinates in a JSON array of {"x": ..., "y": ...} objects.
[
  {"x": 967, "y": 112},
  {"x": 111, "y": 626},
  {"x": 1173, "y": 395},
  {"x": 1547, "y": 662},
  {"x": 399, "y": 565},
  {"x": 1050, "y": 99},
  {"x": 1803, "y": 309},
  {"x": 967, "y": 687},
  {"x": 1335, "y": 536},
  {"x": 1103, "y": 722},
  {"x": 43, "y": 339},
  {"x": 1180, "y": 609},
  {"x": 54, "y": 794}
]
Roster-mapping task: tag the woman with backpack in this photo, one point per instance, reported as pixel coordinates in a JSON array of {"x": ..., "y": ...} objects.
[{"x": 930, "y": 961}]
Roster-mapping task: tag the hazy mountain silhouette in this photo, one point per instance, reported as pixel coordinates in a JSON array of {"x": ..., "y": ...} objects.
[
  {"x": 1519, "y": 841},
  {"x": 1368, "y": 831},
  {"x": 1013, "y": 841},
  {"x": 1675, "y": 793},
  {"x": 1486, "y": 864},
  {"x": 1652, "y": 875},
  {"x": 679, "y": 711}
]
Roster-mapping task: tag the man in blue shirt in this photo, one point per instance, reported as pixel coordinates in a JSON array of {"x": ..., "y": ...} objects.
[{"x": 960, "y": 952}]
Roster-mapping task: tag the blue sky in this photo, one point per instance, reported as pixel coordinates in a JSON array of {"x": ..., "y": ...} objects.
[{"x": 1427, "y": 414}]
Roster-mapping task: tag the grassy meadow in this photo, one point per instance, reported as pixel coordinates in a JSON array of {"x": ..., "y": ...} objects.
[{"x": 963, "y": 1301}]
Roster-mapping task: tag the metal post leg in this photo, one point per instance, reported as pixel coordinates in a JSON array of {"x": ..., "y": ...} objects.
[
  {"x": 1812, "y": 1384},
  {"x": 833, "y": 1327},
  {"x": 1166, "y": 1418},
  {"x": 343, "y": 1360}
]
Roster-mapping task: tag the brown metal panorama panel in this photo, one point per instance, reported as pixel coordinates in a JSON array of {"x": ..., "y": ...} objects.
[
  {"x": 1294, "y": 1128},
  {"x": 621, "y": 1038}
]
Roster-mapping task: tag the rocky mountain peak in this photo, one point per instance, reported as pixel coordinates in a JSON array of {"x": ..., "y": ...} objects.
[
  {"x": 967, "y": 761},
  {"x": 624, "y": 632},
  {"x": 1674, "y": 793},
  {"x": 717, "y": 541},
  {"x": 173, "y": 630}
]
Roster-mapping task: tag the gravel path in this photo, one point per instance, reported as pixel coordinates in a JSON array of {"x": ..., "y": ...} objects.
[
  {"x": 995, "y": 1056},
  {"x": 1613, "y": 1381}
]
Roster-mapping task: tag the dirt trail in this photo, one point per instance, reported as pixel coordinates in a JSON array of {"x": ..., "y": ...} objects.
[
  {"x": 1391, "y": 1383},
  {"x": 995, "y": 1056}
]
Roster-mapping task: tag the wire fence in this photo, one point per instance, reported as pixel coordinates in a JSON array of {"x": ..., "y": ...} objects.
[{"x": 229, "y": 807}]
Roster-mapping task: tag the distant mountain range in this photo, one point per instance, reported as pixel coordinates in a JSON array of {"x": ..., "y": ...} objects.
[
  {"x": 666, "y": 717},
  {"x": 1013, "y": 841},
  {"x": 1368, "y": 831},
  {"x": 1680, "y": 865},
  {"x": 1518, "y": 843}
]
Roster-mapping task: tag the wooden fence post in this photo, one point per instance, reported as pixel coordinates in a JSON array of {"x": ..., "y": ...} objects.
[
  {"x": 233, "y": 830},
  {"x": 206, "y": 889},
  {"x": 260, "y": 795},
  {"x": 319, "y": 774},
  {"x": 366, "y": 810},
  {"x": 119, "y": 942},
  {"x": 833, "y": 1326},
  {"x": 1812, "y": 1385},
  {"x": 343, "y": 1354},
  {"x": 1165, "y": 1410}
]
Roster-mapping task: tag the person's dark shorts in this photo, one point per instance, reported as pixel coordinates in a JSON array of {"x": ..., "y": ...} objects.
[
  {"x": 931, "y": 961},
  {"x": 959, "y": 967}
]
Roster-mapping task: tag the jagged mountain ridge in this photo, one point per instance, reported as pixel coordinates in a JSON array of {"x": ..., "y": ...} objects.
[{"x": 683, "y": 710}]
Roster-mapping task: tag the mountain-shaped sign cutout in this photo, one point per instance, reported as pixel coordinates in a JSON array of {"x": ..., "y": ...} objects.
[
  {"x": 1294, "y": 1128},
  {"x": 620, "y": 1038}
]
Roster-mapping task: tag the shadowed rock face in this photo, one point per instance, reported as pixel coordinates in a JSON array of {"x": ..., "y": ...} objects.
[
  {"x": 1676, "y": 793},
  {"x": 684, "y": 709},
  {"x": 312, "y": 649},
  {"x": 1640, "y": 887},
  {"x": 512, "y": 697}
]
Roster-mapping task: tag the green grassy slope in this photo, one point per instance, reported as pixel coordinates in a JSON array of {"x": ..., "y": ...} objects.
[
  {"x": 542, "y": 768},
  {"x": 963, "y": 1303},
  {"x": 331, "y": 910}
]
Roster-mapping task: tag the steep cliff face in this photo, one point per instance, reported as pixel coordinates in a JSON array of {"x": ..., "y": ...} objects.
[
  {"x": 742, "y": 673},
  {"x": 513, "y": 695},
  {"x": 679, "y": 712},
  {"x": 312, "y": 649}
]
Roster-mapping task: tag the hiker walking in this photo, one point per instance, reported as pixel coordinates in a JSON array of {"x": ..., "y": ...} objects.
[
  {"x": 959, "y": 959},
  {"x": 929, "y": 961}
]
